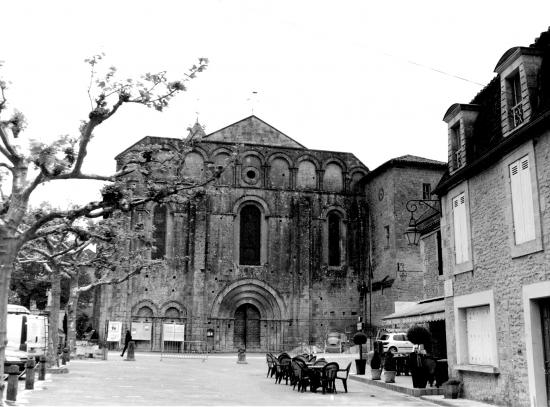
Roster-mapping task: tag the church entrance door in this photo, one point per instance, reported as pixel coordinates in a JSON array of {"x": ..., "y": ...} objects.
[{"x": 247, "y": 327}]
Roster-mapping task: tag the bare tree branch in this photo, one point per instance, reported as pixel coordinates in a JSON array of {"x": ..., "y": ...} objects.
[
  {"x": 5, "y": 165},
  {"x": 7, "y": 149}
]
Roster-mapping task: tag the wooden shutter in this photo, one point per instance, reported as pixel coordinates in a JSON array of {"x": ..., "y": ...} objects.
[
  {"x": 522, "y": 201},
  {"x": 479, "y": 336},
  {"x": 460, "y": 229}
]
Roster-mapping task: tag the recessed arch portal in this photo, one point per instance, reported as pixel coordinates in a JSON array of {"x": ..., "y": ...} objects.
[
  {"x": 268, "y": 301},
  {"x": 251, "y": 314}
]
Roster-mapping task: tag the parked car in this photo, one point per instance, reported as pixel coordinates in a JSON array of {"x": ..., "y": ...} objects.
[
  {"x": 334, "y": 342},
  {"x": 15, "y": 357},
  {"x": 396, "y": 342}
]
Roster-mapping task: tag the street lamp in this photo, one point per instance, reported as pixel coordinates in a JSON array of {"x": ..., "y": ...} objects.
[{"x": 412, "y": 233}]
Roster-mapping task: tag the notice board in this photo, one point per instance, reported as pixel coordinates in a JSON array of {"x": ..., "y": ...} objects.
[
  {"x": 114, "y": 331},
  {"x": 173, "y": 332},
  {"x": 141, "y": 331}
]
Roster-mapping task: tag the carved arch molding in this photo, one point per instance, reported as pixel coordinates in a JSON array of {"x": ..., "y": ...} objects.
[{"x": 266, "y": 299}]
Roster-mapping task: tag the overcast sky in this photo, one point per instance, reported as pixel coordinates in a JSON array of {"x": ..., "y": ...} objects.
[{"x": 372, "y": 78}]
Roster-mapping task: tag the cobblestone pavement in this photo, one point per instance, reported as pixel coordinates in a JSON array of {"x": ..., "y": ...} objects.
[{"x": 218, "y": 381}]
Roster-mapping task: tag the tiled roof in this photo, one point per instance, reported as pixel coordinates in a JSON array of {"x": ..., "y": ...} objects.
[
  {"x": 408, "y": 160},
  {"x": 486, "y": 142},
  {"x": 415, "y": 159}
]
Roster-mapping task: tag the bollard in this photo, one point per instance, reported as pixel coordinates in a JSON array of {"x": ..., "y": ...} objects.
[
  {"x": 29, "y": 374},
  {"x": 241, "y": 356},
  {"x": 13, "y": 371},
  {"x": 130, "y": 355},
  {"x": 65, "y": 356},
  {"x": 42, "y": 368}
]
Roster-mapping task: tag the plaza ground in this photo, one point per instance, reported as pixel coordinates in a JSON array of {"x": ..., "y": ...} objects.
[{"x": 217, "y": 381}]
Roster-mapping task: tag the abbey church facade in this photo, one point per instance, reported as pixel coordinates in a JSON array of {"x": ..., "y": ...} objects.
[{"x": 270, "y": 255}]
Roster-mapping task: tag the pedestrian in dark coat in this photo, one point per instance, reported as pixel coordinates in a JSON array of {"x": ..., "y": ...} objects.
[{"x": 127, "y": 340}]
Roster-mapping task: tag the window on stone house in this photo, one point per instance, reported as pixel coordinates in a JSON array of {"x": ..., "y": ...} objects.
[
  {"x": 439, "y": 254},
  {"x": 456, "y": 157},
  {"x": 387, "y": 236},
  {"x": 159, "y": 234},
  {"x": 515, "y": 100},
  {"x": 250, "y": 236},
  {"x": 478, "y": 336},
  {"x": 460, "y": 229},
  {"x": 522, "y": 201},
  {"x": 426, "y": 191},
  {"x": 334, "y": 237}
]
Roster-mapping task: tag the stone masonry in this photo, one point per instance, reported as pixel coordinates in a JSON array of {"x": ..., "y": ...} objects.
[{"x": 293, "y": 291}]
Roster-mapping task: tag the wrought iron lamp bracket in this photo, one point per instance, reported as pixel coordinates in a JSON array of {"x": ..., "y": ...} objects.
[{"x": 413, "y": 204}]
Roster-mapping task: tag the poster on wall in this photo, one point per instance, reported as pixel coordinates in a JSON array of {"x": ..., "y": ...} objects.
[
  {"x": 141, "y": 331},
  {"x": 173, "y": 332},
  {"x": 114, "y": 331}
]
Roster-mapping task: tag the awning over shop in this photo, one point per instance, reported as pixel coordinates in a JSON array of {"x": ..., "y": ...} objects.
[{"x": 423, "y": 311}]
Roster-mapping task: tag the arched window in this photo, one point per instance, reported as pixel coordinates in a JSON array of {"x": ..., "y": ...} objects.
[
  {"x": 333, "y": 180},
  {"x": 334, "y": 236},
  {"x": 307, "y": 175},
  {"x": 250, "y": 236},
  {"x": 159, "y": 234}
]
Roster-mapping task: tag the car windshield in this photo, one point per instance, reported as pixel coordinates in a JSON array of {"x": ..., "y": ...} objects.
[{"x": 384, "y": 337}]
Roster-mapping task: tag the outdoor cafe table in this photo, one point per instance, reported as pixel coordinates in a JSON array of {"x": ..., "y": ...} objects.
[{"x": 315, "y": 376}]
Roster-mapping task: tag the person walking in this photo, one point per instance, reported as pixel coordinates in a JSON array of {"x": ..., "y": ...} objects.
[{"x": 127, "y": 340}]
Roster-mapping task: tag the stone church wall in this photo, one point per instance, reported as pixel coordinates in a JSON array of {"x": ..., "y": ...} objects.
[{"x": 300, "y": 298}]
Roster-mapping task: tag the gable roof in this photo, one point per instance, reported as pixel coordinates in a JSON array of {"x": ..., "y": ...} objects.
[
  {"x": 408, "y": 161},
  {"x": 253, "y": 130}
]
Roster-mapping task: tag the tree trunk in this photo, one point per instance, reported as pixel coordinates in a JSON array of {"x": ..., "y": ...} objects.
[
  {"x": 71, "y": 309},
  {"x": 53, "y": 320},
  {"x": 9, "y": 247}
]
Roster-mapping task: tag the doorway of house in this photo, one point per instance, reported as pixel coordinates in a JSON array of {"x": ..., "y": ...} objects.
[
  {"x": 247, "y": 327},
  {"x": 544, "y": 305}
]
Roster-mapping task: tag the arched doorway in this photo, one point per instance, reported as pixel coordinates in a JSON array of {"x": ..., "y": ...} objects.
[
  {"x": 263, "y": 308},
  {"x": 247, "y": 327}
]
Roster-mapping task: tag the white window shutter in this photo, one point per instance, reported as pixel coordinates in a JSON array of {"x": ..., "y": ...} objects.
[
  {"x": 478, "y": 335},
  {"x": 517, "y": 203},
  {"x": 460, "y": 229},
  {"x": 457, "y": 223},
  {"x": 527, "y": 197},
  {"x": 522, "y": 201},
  {"x": 464, "y": 229}
]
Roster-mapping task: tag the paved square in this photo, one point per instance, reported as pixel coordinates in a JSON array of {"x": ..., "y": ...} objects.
[{"x": 218, "y": 381}]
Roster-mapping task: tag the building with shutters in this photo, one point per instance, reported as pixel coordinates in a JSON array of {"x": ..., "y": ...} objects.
[
  {"x": 495, "y": 226},
  {"x": 267, "y": 258}
]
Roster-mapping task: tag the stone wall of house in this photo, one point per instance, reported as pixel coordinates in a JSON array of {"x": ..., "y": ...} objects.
[
  {"x": 433, "y": 281},
  {"x": 393, "y": 258},
  {"x": 495, "y": 269}
]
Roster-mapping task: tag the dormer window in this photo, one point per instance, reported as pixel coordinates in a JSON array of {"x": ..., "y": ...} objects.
[
  {"x": 460, "y": 118},
  {"x": 456, "y": 154},
  {"x": 515, "y": 100},
  {"x": 518, "y": 70}
]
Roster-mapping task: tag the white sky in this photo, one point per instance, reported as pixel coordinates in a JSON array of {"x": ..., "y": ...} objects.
[{"x": 333, "y": 75}]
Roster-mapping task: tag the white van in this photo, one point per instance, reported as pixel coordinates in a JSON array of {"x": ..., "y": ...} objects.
[{"x": 26, "y": 332}]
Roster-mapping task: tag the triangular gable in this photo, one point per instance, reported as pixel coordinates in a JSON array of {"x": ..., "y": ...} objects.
[{"x": 253, "y": 131}]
